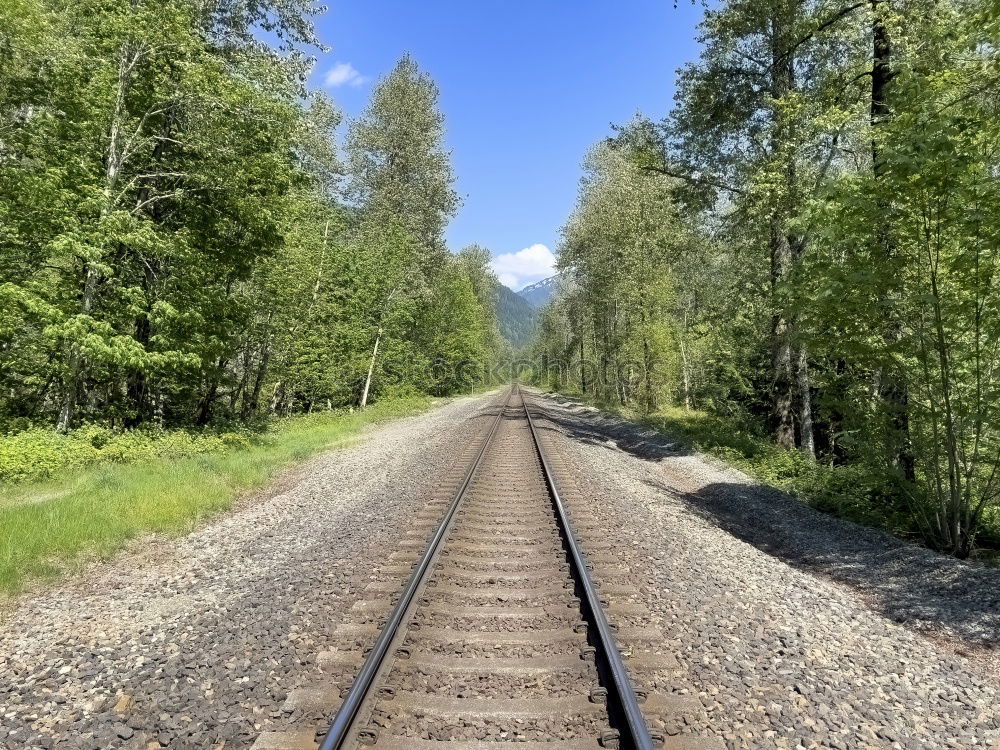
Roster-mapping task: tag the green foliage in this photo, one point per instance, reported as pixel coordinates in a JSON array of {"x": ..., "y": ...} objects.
[
  {"x": 626, "y": 319},
  {"x": 178, "y": 263},
  {"x": 175, "y": 244},
  {"x": 401, "y": 172},
  {"x": 831, "y": 179},
  {"x": 859, "y": 492},
  {"x": 172, "y": 481},
  {"x": 40, "y": 453}
]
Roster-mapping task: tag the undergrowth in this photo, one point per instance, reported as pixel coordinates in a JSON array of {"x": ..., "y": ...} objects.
[
  {"x": 95, "y": 498},
  {"x": 41, "y": 453},
  {"x": 858, "y": 492}
]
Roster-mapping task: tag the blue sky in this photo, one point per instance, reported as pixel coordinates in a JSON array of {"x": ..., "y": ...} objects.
[{"x": 526, "y": 89}]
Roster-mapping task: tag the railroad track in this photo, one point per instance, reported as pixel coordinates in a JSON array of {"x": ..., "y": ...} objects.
[{"x": 503, "y": 631}]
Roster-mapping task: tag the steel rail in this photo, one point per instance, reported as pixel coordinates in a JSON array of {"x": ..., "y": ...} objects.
[
  {"x": 623, "y": 696},
  {"x": 340, "y": 728}
]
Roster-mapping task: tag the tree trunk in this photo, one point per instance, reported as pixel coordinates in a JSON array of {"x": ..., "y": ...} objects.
[
  {"x": 39, "y": 399},
  {"x": 241, "y": 387},
  {"x": 685, "y": 372},
  {"x": 782, "y": 380},
  {"x": 881, "y": 76},
  {"x": 74, "y": 359},
  {"x": 138, "y": 383},
  {"x": 371, "y": 369},
  {"x": 127, "y": 58},
  {"x": 836, "y": 393},
  {"x": 205, "y": 405},
  {"x": 252, "y": 404},
  {"x": 893, "y": 389},
  {"x": 277, "y": 396},
  {"x": 807, "y": 438},
  {"x": 159, "y": 406},
  {"x": 647, "y": 366},
  {"x": 605, "y": 386}
]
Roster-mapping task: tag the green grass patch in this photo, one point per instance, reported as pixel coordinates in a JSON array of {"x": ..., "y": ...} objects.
[
  {"x": 40, "y": 453},
  {"x": 91, "y": 510}
]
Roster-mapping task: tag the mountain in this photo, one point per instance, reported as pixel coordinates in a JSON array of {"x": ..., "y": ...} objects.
[
  {"x": 516, "y": 317},
  {"x": 540, "y": 293}
]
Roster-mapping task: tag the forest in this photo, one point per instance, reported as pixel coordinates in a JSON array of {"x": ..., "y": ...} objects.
[
  {"x": 182, "y": 243},
  {"x": 806, "y": 250}
]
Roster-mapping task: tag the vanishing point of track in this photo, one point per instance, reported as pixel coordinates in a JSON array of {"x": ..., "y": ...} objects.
[{"x": 500, "y": 633}]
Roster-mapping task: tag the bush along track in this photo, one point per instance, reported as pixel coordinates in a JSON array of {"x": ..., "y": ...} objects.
[{"x": 855, "y": 492}]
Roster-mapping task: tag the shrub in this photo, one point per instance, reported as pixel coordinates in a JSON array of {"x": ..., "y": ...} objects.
[
  {"x": 40, "y": 453},
  {"x": 858, "y": 492}
]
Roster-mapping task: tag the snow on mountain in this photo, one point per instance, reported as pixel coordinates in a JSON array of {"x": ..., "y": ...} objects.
[{"x": 540, "y": 293}]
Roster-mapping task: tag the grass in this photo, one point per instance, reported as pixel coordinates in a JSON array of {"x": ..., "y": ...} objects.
[
  {"x": 56, "y": 525},
  {"x": 857, "y": 492}
]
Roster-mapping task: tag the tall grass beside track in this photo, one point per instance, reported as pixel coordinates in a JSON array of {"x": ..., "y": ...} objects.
[{"x": 94, "y": 502}]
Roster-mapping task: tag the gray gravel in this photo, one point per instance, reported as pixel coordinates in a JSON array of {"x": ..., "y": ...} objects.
[
  {"x": 194, "y": 642},
  {"x": 796, "y": 630}
]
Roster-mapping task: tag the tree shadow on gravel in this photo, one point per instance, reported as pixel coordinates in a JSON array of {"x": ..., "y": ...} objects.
[
  {"x": 906, "y": 583},
  {"x": 588, "y": 425}
]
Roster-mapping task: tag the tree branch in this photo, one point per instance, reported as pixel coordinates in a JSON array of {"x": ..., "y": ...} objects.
[
  {"x": 690, "y": 178},
  {"x": 842, "y": 13},
  {"x": 164, "y": 196}
]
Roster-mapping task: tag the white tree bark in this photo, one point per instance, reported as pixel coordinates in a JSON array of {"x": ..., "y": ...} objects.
[
  {"x": 685, "y": 367},
  {"x": 128, "y": 58},
  {"x": 371, "y": 368},
  {"x": 808, "y": 439}
]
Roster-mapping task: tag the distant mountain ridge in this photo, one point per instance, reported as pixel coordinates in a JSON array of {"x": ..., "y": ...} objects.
[
  {"x": 516, "y": 317},
  {"x": 539, "y": 294}
]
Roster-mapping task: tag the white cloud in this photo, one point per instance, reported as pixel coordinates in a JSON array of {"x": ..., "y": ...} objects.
[
  {"x": 344, "y": 74},
  {"x": 517, "y": 270}
]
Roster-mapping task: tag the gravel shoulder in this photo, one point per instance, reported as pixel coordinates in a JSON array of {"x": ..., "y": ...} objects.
[
  {"x": 797, "y": 630},
  {"x": 194, "y": 642},
  {"x": 794, "y": 629}
]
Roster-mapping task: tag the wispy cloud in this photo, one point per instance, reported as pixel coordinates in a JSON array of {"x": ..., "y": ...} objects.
[
  {"x": 517, "y": 270},
  {"x": 343, "y": 74}
]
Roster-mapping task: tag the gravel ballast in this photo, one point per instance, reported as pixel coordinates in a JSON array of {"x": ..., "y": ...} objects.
[
  {"x": 195, "y": 642},
  {"x": 795, "y": 629}
]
